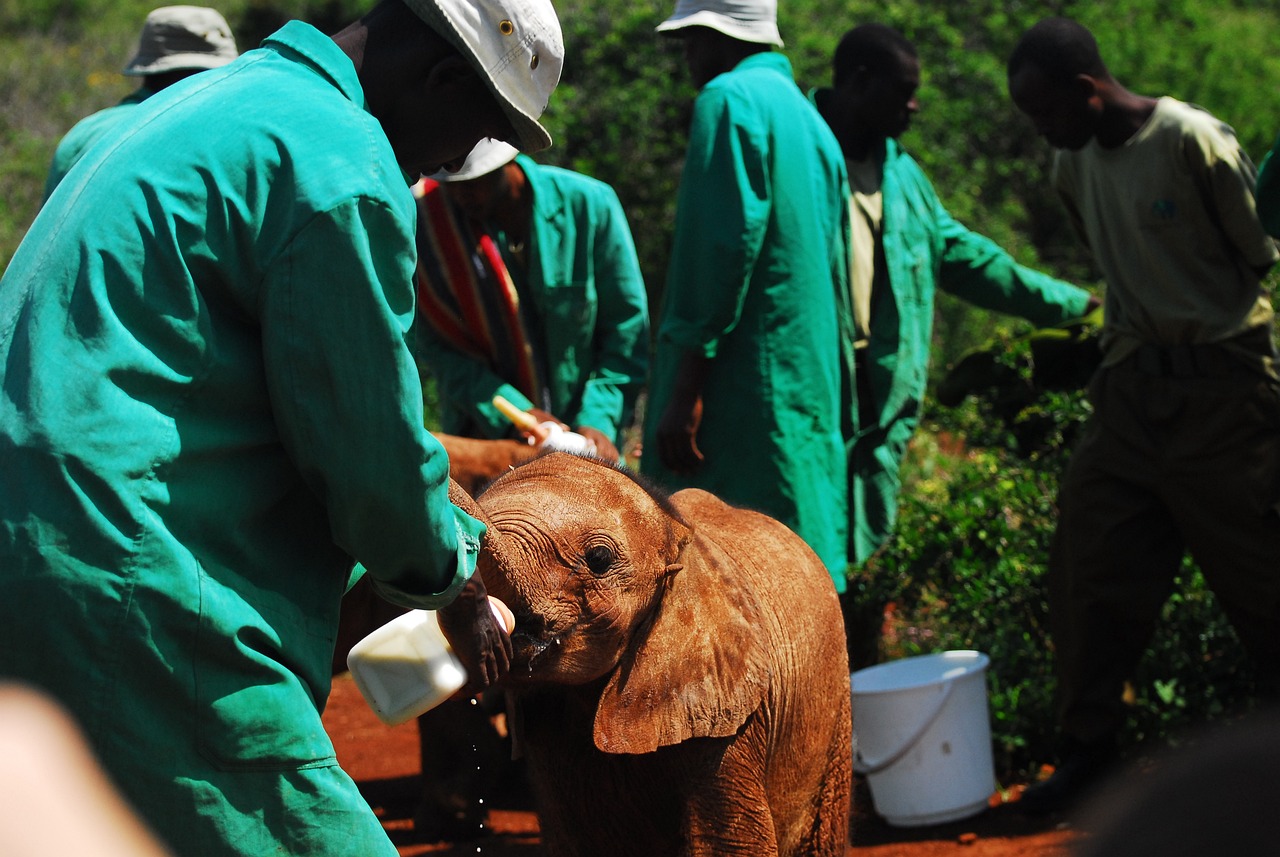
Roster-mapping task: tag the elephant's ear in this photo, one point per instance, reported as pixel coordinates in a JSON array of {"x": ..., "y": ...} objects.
[{"x": 701, "y": 668}]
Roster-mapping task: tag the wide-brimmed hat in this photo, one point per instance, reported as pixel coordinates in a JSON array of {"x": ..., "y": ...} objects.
[
  {"x": 516, "y": 46},
  {"x": 175, "y": 38},
  {"x": 753, "y": 21},
  {"x": 487, "y": 156}
]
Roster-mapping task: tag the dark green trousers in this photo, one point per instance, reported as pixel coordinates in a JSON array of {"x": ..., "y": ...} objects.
[{"x": 1182, "y": 453}]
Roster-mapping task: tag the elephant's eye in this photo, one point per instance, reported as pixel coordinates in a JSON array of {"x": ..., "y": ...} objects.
[{"x": 599, "y": 559}]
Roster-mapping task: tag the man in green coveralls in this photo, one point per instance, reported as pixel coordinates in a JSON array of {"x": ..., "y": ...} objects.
[
  {"x": 176, "y": 42},
  {"x": 574, "y": 340},
  {"x": 905, "y": 247},
  {"x": 210, "y": 410},
  {"x": 749, "y": 369}
]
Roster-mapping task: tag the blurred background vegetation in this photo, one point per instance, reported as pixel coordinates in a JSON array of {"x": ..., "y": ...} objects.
[{"x": 964, "y": 569}]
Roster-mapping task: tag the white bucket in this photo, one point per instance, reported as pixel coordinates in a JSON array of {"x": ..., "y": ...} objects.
[{"x": 924, "y": 738}]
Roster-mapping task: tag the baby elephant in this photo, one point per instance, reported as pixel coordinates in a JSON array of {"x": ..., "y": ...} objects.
[{"x": 679, "y": 683}]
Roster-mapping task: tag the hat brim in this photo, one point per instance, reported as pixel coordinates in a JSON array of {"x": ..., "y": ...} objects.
[
  {"x": 756, "y": 32},
  {"x": 487, "y": 156},
  {"x": 176, "y": 62}
]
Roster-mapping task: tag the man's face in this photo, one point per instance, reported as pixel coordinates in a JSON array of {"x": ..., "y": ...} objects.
[
  {"x": 1066, "y": 116},
  {"x": 699, "y": 45},
  {"x": 480, "y": 198},
  {"x": 437, "y": 123},
  {"x": 883, "y": 102}
]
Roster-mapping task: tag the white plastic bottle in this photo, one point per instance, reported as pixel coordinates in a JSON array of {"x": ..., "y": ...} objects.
[{"x": 406, "y": 667}]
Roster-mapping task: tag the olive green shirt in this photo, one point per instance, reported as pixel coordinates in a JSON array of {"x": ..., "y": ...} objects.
[{"x": 1171, "y": 220}]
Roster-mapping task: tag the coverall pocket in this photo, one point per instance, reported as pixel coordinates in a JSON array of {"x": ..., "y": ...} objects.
[{"x": 261, "y": 677}]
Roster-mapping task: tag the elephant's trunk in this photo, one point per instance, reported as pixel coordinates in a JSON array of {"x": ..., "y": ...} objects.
[{"x": 496, "y": 564}]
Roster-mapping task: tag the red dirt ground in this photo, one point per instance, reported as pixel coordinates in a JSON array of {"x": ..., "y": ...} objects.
[{"x": 384, "y": 762}]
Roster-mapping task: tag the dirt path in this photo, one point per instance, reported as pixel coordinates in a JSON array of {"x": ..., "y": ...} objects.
[{"x": 384, "y": 761}]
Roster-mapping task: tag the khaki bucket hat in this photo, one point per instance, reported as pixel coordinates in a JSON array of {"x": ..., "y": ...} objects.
[
  {"x": 753, "y": 21},
  {"x": 517, "y": 47},
  {"x": 176, "y": 38}
]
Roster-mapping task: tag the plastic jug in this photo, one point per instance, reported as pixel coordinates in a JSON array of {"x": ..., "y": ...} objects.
[{"x": 406, "y": 667}]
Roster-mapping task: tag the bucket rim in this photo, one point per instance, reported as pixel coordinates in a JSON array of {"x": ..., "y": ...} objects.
[{"x": 968, "y": 662}]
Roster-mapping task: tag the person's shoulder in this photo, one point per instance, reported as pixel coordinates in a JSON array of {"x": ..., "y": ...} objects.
[
  {"x": 897, "y": 157},
  {"x": 1189, "y": 119},
  {"x": 577, "y": 190},
  {"x": 567, "y": 178}
]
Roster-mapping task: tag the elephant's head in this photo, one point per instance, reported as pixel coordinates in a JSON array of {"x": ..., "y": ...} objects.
[{"x": 610, "y": 584}]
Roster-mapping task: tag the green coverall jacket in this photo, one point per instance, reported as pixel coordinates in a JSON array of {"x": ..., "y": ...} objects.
[
  {"x": 588, "y": 293},
  {"x": 1268, "y": 191},
  {"x": 925, "y": 249},
  {"x": 85, "y": 133},
  {"x": 758, "y": 282},
  {"x": 209, "y": 410}
]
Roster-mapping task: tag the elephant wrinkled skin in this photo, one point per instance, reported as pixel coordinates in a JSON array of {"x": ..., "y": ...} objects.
[{"x": 680, "y": 683}]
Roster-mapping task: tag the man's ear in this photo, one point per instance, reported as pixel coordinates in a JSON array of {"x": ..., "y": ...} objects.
[
  {"x": 453, "y": 71},
  {"x": 1085, "y": 86}
]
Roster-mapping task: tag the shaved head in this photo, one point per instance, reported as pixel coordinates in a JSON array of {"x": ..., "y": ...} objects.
[{"x": 1061, "y": 49}]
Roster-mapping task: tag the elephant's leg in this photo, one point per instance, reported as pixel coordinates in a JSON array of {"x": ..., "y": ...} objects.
[
  {"x": 830, "y": 835},
  {"x": 729, "y": 813}
]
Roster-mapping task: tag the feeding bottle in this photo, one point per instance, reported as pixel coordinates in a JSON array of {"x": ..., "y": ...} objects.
[{"x": 407, "y": 667}]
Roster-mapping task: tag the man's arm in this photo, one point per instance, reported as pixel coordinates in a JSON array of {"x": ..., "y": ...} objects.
[
  {"x": 677, "y": 430},
  {"x": 348, "y": 403},
  {"x": 983, "y": 273},
  {"x": 721, "y": 219},
  {"x": 465, "y": 382},
  {"x": 1226, "y": 179},
  {"x": 620, "y": 345}
]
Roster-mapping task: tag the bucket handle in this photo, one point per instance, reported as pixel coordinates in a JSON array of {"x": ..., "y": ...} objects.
[{"x": 863, "y": 767}]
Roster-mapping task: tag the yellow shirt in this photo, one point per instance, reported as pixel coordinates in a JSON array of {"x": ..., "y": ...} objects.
[{"x": 866, "y": 217}]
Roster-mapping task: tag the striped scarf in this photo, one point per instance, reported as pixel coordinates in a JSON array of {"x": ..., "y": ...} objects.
[{"x": 466, "y": 293}]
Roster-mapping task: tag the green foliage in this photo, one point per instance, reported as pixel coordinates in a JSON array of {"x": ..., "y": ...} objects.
[
  {"x": 622, "y": 110},
  {"x": 621, "y": 114}
]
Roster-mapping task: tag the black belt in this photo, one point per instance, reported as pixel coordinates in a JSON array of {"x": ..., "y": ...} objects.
[{"x": 1194, "y": 361}]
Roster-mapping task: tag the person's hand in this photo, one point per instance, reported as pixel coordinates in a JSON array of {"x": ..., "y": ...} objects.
[
  {"x": 604, "y": 447},
  {"x": 477, "y": 638},
  {"x": 538, "y": 433},
  {"x": 677, "y": 436}
]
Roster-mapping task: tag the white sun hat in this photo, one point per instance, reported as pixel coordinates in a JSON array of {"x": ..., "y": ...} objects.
[
  {"x": 488, "y": 155},
  {"x": 175, "y": 38},
  {"x": 516, "y": 46},
  {"x": 753, "y": 21}
]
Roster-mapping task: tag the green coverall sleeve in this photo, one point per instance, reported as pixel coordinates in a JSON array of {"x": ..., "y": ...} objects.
[
  {"x": 979, "y": 271},
  {"x": 620, "y": 345},
  {"x": 723, "y": 214},
  {"x": 467, "y": 383},
  {"x": 1268, "y": 191},
  {"x": 335, "y": 310}
]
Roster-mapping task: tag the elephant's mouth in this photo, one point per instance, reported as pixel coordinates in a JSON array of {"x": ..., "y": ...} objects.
[{"x": 527, "y": 647}]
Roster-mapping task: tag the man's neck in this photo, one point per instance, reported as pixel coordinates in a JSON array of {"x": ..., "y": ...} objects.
[
  {"x": 862, "y": 147},
  {"x": 1125, "y": 114}
]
